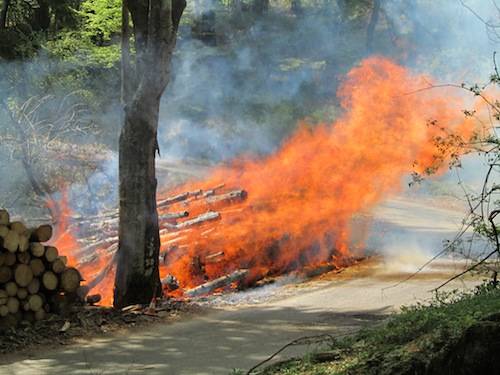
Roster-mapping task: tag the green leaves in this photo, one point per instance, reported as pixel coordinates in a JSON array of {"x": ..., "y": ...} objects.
[
  {"x": 96, "y": 39},
  {"x": 101, "y": 20}
]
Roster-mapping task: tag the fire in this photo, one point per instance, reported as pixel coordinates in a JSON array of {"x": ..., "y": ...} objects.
[
  {"x": 303, "y": 199},
  {"x": 65, "y": 240}
]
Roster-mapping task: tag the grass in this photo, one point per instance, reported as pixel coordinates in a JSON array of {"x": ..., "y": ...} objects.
[{"x": 418, "y": 334}]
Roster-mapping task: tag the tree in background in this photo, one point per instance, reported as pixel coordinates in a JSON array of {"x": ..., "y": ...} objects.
[{"x": 155, "y": 25}]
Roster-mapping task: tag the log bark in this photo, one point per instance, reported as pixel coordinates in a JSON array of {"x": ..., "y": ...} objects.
[
  {"x": 201, "y": 219},
  {"x": 155, "y": 27},
  {"x": 171, "y": 200},
  {"x": 173, "y": 216},
  {"x": 232, "y": 196},
  {"x": 217, "y": 283},
  {"x": 210, "y": 192}
]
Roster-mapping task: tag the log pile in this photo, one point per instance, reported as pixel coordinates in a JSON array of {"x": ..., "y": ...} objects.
[
  {"x": 198, "y": 210},
  {"x": 186, "y": 219},
  {"x": 34, "y": 279}
]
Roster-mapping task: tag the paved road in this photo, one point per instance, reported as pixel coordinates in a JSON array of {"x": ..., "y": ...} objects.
[
  {"x": 224, "y": 339},
  {"x": 238, "y": 337}
]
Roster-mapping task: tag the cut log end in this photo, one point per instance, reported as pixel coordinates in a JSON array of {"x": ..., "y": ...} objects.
[
  {"x": 49, "y": 280},
  {"x": 23, "y": 275},
  {"x": 70, "y": 280},
  {"x": 42, "y": 234},
  {"x": 4, "y": 217}
]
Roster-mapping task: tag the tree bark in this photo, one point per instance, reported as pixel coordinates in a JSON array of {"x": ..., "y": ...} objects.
[
  {"x": 139, "y": 240},
  {"x": 155, "y": 25},
  {"x": 41, "y": 16},
  {"x": 3, "y": 14}
]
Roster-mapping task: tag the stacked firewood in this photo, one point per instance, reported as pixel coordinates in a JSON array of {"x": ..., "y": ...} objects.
[{"x": 34, "y": 278}]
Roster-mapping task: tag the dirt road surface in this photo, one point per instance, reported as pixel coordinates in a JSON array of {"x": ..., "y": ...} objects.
[{"x": 253, "y": 325}]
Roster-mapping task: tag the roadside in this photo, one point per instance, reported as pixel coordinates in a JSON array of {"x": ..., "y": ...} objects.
[
  {"x": 241, "y": 329},
  {"x": 234, "y": 336}
]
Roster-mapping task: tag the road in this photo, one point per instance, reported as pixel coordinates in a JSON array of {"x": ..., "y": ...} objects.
[{"x": 239, "y": 335}]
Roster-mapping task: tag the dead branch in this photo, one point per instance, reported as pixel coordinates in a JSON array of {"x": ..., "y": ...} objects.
[
  {"x": 491, "y": 219},
  {"x": 305, "y": 340}
]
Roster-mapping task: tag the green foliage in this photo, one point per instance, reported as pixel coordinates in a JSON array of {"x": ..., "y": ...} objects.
[
  {"x": 102, "y": 19},
  {"x": 94, "y": 41},
  {"x": 419, "y": 333}
]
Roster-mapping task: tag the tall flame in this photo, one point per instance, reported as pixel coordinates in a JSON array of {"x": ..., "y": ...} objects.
[{"x": 302, "y": 200}]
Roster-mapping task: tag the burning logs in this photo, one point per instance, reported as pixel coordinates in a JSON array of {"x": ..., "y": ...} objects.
[
  {"x": 203, "y": 218},
  {"x": 221, "y": 282},
  {"x": 32, "y": 274},
  {"x": 235, "y": 195},
  {"x": 171, "y": 200}
]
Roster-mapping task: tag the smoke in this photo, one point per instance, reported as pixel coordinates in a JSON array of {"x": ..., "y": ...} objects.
[
  {"x": 244, "y": 90},
  {"x": 246, "y": 93}
]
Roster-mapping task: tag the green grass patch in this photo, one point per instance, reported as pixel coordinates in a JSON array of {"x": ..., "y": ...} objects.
[{"x": 416, "y": 336}]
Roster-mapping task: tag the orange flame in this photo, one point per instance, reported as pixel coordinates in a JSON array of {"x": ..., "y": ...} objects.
[
  {"x": 66, "y": 241},
  {"x": 302, "y": 200}
]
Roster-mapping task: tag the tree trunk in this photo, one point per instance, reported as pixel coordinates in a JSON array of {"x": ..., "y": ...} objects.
[
  {"x": 260, "y": 6},
  {"x": 296, "y": 7},
  {"x": 41, "y": 16},
  {"x": 3, "y": 14},
  {"x": 139, "y": 241},
  {"x": 371, "y": 25},
  {"x": 155, "y": 25}
]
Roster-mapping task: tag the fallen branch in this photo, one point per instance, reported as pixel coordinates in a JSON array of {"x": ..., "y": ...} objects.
[
  {"x": 306, "y": 340},
  {"x": 491, "y": 219}
]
